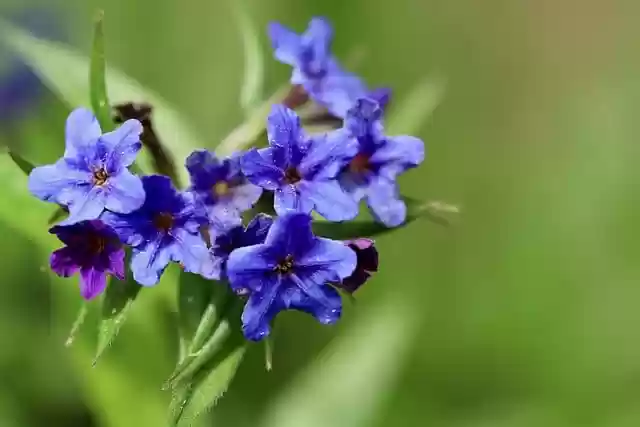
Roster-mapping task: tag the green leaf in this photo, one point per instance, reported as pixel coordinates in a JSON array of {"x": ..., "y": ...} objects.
[
  {"x": 268, "y": 353},
  {"x": 118, "y": 300},
  {"x": 65, "y": 71},
  {"x": 251, "y": 92},
  {"x": 408, "y": 116},
  {"x": 80, "y": 318},
  {"x": 23, "y": 164},
  {"x": 97, "y": 77}
]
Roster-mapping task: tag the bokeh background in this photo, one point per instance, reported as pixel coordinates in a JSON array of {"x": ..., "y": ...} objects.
[{"x": 523, "y": 312}]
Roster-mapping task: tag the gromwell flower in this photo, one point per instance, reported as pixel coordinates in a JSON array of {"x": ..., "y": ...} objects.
[
  {"x": 301, "y": 170},
  {"x": 92, "y": 249},
  {"x": 164, "y": 229},
  {"x": 372, "y": 172},
  {"x": 220, "y": 186},
  {"x": 290, "y": 270},
  {"x": 92, "y": 175}
]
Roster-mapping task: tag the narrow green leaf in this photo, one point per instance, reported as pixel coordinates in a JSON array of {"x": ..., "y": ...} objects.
[
  {"x": 118, "y": 300},
  {"x": 194, "y": 296},
  {"x": 268, "y": 353},
  {"x": 24, "y": 165},
  {"x": 65, "y": 71},
  {"x": 406, "y": 117},
  {"x": 57, "y": 215},
  {"x": 82, "y": 315},
  {"x": 97, "y": 77},
  {"x": 251, "y": 92}
]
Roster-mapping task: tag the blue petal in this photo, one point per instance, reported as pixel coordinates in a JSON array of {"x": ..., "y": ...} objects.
[
  {"x": 129, "y": 228},
  {"x": 244, "y": 196},
  {"x": 82, "y": 131},
  {"x": 194, "y": 255},
  {"x": 319, "y": 35},
  {"x": 385, "y": 204},
  {"x": 205, "y": 169},
  {"x": 149, "y": 262},
  {"x": 328, "y": 155},
  {"x": 285, "y": 43},
  {"x": 260, "y": 171},
  {"x": 223, "y": 215},
  {"x": 353, "y": 185},
  {"x": 288, "y": 199},
  {"x": 381, "y": 95},
  {"x": 59, "y": 183},
  {"x": 326, "y": 306},
  {"x": 257, "y": 229},
  {"x": 364, "y": 117},
  {"x": 285, "y": 137},
  {"x": 327, "y": 261},
  {"x": 330, "y": 200},
  {"x": 251, "y": 266},
  {"x": 88, "y": 207},
  {"x": 260, "y": 310},
  {"x": 398, "y": 154},
  {"x": 291, "y": 234},
  {"x": 92, "y": 282},
  {"x": 125, "y": 193},
  {"x": 123, "y": 145}
]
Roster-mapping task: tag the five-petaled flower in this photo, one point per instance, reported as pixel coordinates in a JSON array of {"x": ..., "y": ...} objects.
[
  {"x": 92, "y": 176},
  {"x": 367, "y": 254},
  {"x": 302, "y": 170},
  {"x": 292, "y": 269},
  {"x": 165, "y": 228},
  {"x": 372, "y": 172},
  {"x": 94, "y": 250},
  {"x": 317, "y": 70},
  {"x": 220, "y": 186}
]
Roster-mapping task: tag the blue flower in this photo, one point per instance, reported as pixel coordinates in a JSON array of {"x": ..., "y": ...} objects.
[
  {"x": 292, "y": 269},
  {"x": 372, "y": 173},
  {"x": 238, "y": 237},
  {"x": 220, "y": 186},
  {"x": 302, "y": 171},
  {"x": 316, "y": 69},
  {"x": 93, "y": 249},
  {"x": 165, "y": 228},
  {"x": 92, "y": 176}
]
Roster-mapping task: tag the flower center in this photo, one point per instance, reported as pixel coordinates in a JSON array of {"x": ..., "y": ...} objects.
[
  {"x": 292, "y": 176},
  {"x": 359, "y": 164},
  {"x": 285, "y": 266},
  {"x": 221, "y": 189},
  {"x": 96, "y": 244},
  {"x": 163, "y": 221},
  {"x": 100, "y": 177}
]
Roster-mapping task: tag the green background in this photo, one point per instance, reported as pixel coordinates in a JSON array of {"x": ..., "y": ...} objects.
[{"x": 527, "y": 305}]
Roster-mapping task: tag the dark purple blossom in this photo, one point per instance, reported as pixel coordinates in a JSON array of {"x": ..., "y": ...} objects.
[
  {"x": 164, "y": 229},
  {"x": 220, "y": 186},
  {"x": 92, "y": 249},
  {"x": 371, "y": 174},
  {"x": 367, "y": 264},
  {"x": 302, "y": 170},
  {"x": 92, "y": 176},
  {"x": 292, "y": 269},
  {"x": 316, "y": 69}
]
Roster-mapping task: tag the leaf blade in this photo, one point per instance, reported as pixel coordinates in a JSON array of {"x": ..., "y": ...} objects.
[{"x": 97, "y": 77}]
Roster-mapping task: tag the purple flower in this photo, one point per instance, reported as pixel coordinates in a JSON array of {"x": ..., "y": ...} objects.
[
  {"x": 238, "y": 237},
  {"x": 93, "y": 249},
  {"x": 372, "y": 173},
  {"x": 367, "y": 264},
  {"x": 164, "y": 229},
  {"x": 220, "y": 186},
  {"x": 301, "y": 170},
  {"x": 316, "y": 69},
  {"x": 290, "y": 270},
  {"x": 92, "y": 176}
]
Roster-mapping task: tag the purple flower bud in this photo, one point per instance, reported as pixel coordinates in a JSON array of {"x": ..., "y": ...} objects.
[{"x": 367, "y": 255}]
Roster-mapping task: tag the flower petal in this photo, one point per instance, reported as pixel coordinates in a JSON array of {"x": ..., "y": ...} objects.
[
  {"x": 123, "y": 145},
  {"x": 90, "y": 206},
  {"x": 384, "y": 201},
  {"x": 364, "y": 117},
  {"x": 325, "y": 304},
  {"x": 149, "y": 261},
  {"x": 330, "y": 200},
  {"x": 319, "y": 35},
  {"x": 63, "y": 262},
  {"x": 291, "y": 234},
  {"x": 398, "y": 154},
  {"x": 250, "y": 266},
  {"x": 259, "y": 170},
  {"x": 286, "y": 137},
  {"x": 257, "y": 229},
  {"x": 194, "y": 255},
  {"x": 116, "y": 264},
  {"x": 92, "y": 282},
  {"x": 260, "y": 310},
  {"x": 244, "y": 196},
  {"x": 328, "y": 155},
  {"x": 129, "y": 228},
  {"x": 82, "y": 130},
  {"x": 59, "y": 183},
  {"x": 327, "y": 261},
  {"x": 285, "y": 43},
  {"x": 125, "y": 193},
  {"x": 288, "y": 199}
]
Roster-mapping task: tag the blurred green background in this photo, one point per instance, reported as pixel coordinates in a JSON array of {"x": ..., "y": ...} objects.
[{"x": 528, "y": 305}]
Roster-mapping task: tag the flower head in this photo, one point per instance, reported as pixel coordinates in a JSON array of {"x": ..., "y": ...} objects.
[
  {"x": 301, "y": 170},
  {"x": 92, "y": 176},
  {"x": 94, "y": 250},
  {"x": 290, "y": 270},
  {"x": 165, "y": 228},
  {"x": 316, "y": 69},
  {"x": 220, "y": 186},
  {"x": 239, "y": 237},
  {"x": 367, "y": 264},
  {"x": 372, "y": 172}
]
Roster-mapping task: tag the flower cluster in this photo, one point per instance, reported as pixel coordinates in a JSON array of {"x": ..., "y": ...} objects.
[{"x": 275, "y": 262}]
